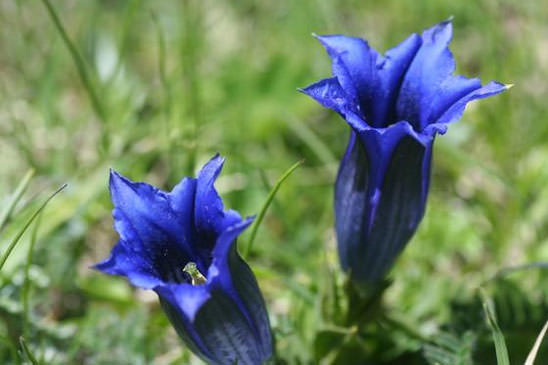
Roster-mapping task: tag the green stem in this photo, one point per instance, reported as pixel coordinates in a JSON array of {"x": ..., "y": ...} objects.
[
  {"x": 27, "y": 351},
  {"x": 266, "y": 204}
]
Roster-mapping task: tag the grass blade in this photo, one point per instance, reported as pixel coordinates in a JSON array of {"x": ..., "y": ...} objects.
[
  {"x": 266, "y": 204},
  {"x": 533, "y": 354},
  {"x": 78, "y": 61},
  {"x": 16, "y": 239},
  {"x": 498, "y": 338},
  {"x": 26, "y": 283},
  {"x": 160, "y": 39},
  {"x": 6, "y": 214},
  {"x": 27, "y": 352}
]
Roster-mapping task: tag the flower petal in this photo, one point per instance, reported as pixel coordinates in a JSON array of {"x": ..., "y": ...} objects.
[
  {"x": 181, "y": 303},
  {"x": 455, "y": 111},
  {"x": 328, "y": 92},
  {"x": 370, "y": 80},
  {"x": 190, "y": 298},
  {"x": 125, "y": 263},
  {"x": 392, "y": 71},
  {"x": 226, "y": 333},
  {"x": 233, "y": 276},
  {"x": 352, "y": 205},
  {"x": 150, "y": 228},
  {"x": 354, "y": 66},
  {"x": 401, "y": 204},
  {"x": 429, "y": 88},
  {"x": 211, "y": 324},
  {"x": 210, "y": 218},
  {"x": 378, "y": 207}
]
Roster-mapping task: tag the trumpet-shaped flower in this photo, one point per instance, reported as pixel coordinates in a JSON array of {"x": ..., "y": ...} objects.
[
  {"x": 181, "y": 244},
  {"x": 395, "y": 105}
]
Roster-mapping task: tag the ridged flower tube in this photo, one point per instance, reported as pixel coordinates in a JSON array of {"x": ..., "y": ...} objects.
[
  {"x": 395, "y": 105},
  {"x": 182, "y": 245}
]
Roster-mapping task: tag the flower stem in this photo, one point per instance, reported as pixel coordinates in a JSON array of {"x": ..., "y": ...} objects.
[{"x": 266, "y": 204}]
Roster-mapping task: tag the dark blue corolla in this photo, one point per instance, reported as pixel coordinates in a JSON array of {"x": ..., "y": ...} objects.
[
  {"x": 395, "y": 105},
  {"x": 181, "y": 244}
]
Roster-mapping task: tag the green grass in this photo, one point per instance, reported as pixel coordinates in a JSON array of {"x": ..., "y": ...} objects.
[{"x": 154, "y": 89}]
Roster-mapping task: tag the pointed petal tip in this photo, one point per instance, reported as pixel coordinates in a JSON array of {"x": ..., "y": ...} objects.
[
  {"x": 440, "y": 32},
  {"x": 211, "y": 169},
  {"x": 248, "y": 220},
  {"x": 102, "y": 266},
  {"x": 329, "y": 42},
  {"x": 115, "y": 177},
  {"x": 240, "y": 225},
  {"x": 508, "y": 86},
  {"x": 217, "y": 160},
  {"x": 187, "y": 298},
  {"x": 118, "y": 184},
  {"x": 306, "y": 90}
]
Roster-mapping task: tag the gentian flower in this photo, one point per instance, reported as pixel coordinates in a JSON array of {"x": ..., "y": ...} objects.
[
  {"x": 182, "y": 245},
  {"x": 395, "y": 105}
]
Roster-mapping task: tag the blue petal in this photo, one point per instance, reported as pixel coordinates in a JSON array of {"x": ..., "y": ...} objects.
[
  {"x": 392, "y": 72},
  {"x": 455, "y": 111},
  {"x": 233, "y": 276},
  {"x": 226, "y": 333},
  {"x": 352, "y": 205},
  {"x": 354, "y": 66},
  {"x": 210, "y": 218},
  {"x": 429, "y": 88},
  {"x": 368, "y": 79},
  {"x": 124, "y": 262},
  {"x": 211, "y": 324},
  {"x": 401, "y": 205},
  {"x": 181, "y": 303},
  {"x": 227, "y": 314},
  {"x": 328, "y": 92},
  {"x": 150, "y": 228},
  {"x": 189, "y": 298},
  {"x": 378, "y": 205}
]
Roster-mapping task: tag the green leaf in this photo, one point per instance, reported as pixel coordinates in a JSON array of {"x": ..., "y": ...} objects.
[
  {"x": 21, "y": 188},
  {"x": 327, "y": 341},
  {"x": 533, "y": 354},
  {"x": 78, "y": 61},
  {"x": 25, "y": 294},
  {"x": 27, "y": 351},
  {"x": 448, "y": 349},
  {"x": 266, "y": 204},
  {"x": 498, "y": 338},
  {"x": 17, "y": 237}
]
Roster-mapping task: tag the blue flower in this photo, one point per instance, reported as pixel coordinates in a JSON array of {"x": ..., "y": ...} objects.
[
  {"x": 395, "y": 105},
  {"x": 181, "y": 244}
]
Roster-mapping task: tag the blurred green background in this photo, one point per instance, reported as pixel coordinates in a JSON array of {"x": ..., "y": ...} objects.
[{"x": 169, "y": 83}]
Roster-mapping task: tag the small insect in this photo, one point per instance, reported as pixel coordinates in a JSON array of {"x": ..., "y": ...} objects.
[{"x": 195, "y": 275}]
